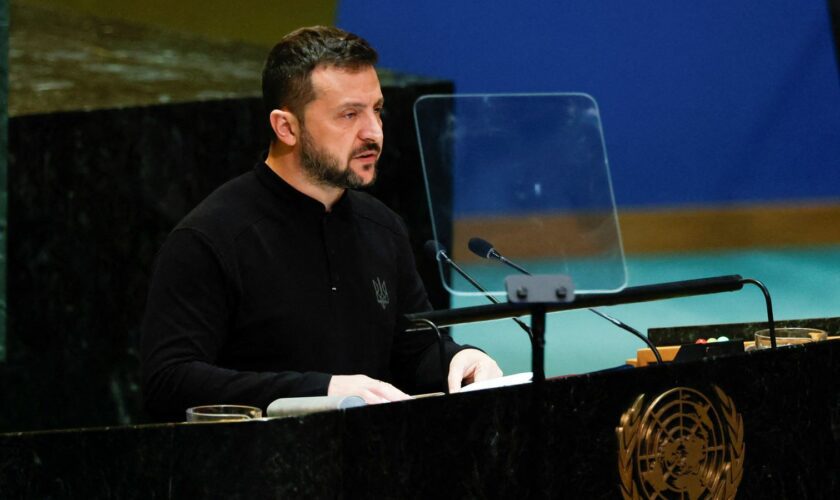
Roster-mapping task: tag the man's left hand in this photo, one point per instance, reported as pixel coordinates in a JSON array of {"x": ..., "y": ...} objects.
[{"x": 471, "y": 365}]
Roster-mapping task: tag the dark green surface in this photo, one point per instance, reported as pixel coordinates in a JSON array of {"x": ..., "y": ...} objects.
[
  {"x": 105, "y": 63},
  {"x": 69, "y": 62},
  {"x": 4, "y": 90},
  {"x": 259, "y": 22},
  {"x": 735, "y": 331},
  {"x": 554, "y": 441}
]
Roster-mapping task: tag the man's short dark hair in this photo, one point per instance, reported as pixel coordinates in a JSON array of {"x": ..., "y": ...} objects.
[{"x": 286, "y": 77}]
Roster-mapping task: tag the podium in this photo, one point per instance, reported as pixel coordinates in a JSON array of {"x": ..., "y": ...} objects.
[{"x": 575, "y": 436}]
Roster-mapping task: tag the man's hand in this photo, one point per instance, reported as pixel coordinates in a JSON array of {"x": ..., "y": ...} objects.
[
  {"x": 371, "y": 390},
  {"x": 471, "y": 365}
]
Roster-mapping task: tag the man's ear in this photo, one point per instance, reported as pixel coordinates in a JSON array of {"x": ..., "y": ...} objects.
[{"x": 285, "y": 125}]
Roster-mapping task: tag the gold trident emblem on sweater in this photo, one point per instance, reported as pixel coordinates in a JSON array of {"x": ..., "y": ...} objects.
[{"x": 381, "y": 292}]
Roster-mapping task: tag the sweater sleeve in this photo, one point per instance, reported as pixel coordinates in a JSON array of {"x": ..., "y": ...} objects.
[{"x": 189, "y": 311}]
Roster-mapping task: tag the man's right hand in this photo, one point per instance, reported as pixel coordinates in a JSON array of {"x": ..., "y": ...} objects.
[{"x": 371, "y": 390}]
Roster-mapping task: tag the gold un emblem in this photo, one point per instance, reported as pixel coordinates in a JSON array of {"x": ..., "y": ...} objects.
[{"x": 682, "y": 445}]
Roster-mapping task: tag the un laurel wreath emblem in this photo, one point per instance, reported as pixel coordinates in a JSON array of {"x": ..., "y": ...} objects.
[{"x": 682, "y": 445}]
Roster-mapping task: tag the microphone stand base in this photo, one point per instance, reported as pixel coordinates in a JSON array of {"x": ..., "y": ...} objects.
[{"x": 539, "y": 291}]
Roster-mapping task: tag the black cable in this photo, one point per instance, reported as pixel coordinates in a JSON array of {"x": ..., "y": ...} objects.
[
  {"x": 444, "y": 370},
  {"x": 632, "y": 330},
  {"x": 769, "y": 303}
]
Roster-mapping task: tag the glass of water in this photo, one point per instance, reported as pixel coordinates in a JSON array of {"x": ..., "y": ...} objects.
[
  {"x": 222, "y": 413},
  {"x": 789, "y": 336}
]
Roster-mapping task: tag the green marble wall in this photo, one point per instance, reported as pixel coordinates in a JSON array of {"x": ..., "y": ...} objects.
[
  {"x": 259, "y": 22},
  {"x": 4, "y": 79}
]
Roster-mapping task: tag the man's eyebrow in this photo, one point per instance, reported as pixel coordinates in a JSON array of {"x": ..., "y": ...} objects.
[{"x": 360, "y": 105}]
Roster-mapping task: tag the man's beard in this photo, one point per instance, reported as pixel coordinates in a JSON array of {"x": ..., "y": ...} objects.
[{"x": 323, "y": 168}]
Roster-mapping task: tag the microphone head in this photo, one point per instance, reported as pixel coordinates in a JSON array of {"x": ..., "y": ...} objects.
[
  {"x": 481, "y": 247},
  {"x": 433, "y": 249}
]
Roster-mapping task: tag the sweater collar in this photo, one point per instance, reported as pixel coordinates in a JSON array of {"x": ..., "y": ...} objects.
[{"x": 283, "y": 189}]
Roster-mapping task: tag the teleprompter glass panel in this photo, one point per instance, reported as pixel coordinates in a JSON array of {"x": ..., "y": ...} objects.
[{"x": 528, "y": 174}]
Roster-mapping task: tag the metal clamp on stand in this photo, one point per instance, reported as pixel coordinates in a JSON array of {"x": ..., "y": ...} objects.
[{"x": 539, "y": 291}]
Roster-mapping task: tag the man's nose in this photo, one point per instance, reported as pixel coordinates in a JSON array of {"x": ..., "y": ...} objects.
[{"x": 372, "y": 128}]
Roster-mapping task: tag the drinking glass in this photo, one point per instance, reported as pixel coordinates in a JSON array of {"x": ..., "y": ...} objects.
[
  {"x": 222, "y": 413},
  {"x": 789, "y": 336}
]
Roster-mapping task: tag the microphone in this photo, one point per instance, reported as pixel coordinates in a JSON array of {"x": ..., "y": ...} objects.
[
  {"x": 485, "y": 250},
  {"x": 436, "y": 251},
  {"x": 482, "y": 248}
]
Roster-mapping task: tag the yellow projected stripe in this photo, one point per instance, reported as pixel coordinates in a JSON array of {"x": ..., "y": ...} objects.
[
  {"x": 662, "y": 230},
  {"x": 733, "y": 227}
]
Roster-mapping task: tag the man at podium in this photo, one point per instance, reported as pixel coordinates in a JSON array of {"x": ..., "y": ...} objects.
[{"x": 286, "y": 281}]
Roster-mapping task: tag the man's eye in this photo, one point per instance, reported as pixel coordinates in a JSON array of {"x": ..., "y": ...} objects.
[{"x": 350, "y": 115}]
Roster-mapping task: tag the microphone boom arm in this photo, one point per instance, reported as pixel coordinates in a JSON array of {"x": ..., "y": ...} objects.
[{"x": 630, "y": 295}]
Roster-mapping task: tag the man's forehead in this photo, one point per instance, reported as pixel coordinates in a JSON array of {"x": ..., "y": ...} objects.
[{"x": 339, "y": 84}]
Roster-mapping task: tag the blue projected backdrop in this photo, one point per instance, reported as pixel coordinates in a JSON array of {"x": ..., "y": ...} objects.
[{"x": 702, "y": 102}]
